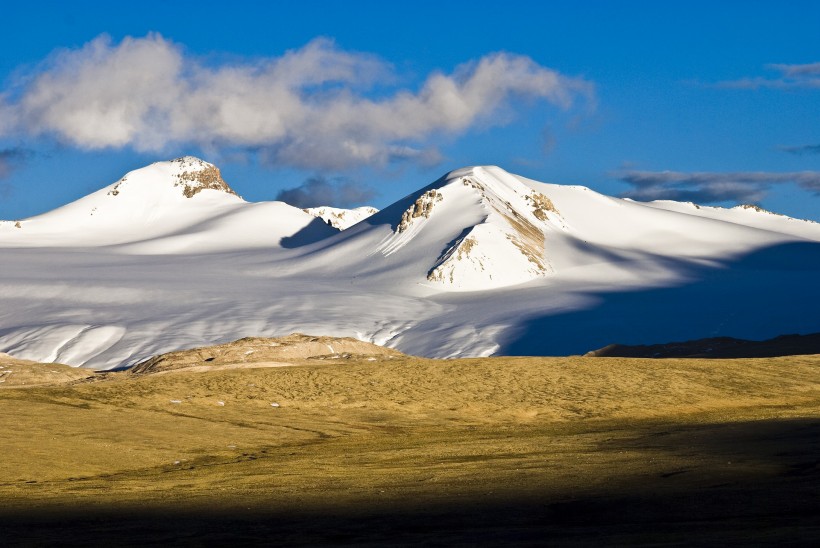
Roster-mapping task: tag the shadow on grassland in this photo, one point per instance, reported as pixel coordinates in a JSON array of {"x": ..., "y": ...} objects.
[
  {"x": 766, "y": 293},
  {"x": 748, "y": 483}
]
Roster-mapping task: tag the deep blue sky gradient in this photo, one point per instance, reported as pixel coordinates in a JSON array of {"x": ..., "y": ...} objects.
[{"x": 653, "y": 64}]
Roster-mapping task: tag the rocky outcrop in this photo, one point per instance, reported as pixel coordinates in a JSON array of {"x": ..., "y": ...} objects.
[
  {"x": 197, "y": 176},
  {"x": 422, "y": 207}
]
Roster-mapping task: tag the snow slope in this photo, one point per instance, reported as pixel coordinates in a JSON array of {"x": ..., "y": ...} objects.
[
  {"x": 479, "y": 262},
  {"x": 745, "y": 215}
]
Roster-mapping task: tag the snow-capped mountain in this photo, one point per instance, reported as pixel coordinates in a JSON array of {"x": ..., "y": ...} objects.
[
  {"x": 479, "y": 262},
  {"x": 476, "y": 228},
  {"x": 341, "y": 218},
  {"x": 498, "y": 227},
  {"x": 481, "y": 228},
  {"x": 181, "y": 206}
]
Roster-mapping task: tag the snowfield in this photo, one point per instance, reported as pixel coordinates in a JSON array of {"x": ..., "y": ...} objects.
[{"x": 480, "y": 262}]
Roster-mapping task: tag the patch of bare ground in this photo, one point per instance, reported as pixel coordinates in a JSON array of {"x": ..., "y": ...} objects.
[
  {"x": 523, "y": 451},
  {"x": 528, "y": 238},
  {"x": 541, "y": 205}
]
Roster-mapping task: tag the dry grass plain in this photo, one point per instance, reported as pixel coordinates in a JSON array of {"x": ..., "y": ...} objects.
[{"x": 399, "y": 450}]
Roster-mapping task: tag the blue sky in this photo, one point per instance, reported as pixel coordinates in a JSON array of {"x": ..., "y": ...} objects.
[{"x": 714, "y": 102}]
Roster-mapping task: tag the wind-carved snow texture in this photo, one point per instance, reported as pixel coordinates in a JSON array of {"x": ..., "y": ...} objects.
[{"x": 479, "y": 262}]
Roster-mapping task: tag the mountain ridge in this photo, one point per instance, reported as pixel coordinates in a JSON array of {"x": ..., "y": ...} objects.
[
  {"x": 717, "y": 348},
  {"x": 479, "y": 262}
]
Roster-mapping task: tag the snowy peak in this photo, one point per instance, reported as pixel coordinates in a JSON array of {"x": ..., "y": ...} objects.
[
  {"x": 340, "y": 218},
  {"x": 184, "y": 177},
  {"x": 159, "y": 199},
  {"x": 492, "y": 228},
  {"x": 146, "y": 194},
  {"x": 196, "y": 175}
]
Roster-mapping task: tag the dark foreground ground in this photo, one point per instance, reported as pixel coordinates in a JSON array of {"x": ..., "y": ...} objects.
[{"x": 415, "y": 452}]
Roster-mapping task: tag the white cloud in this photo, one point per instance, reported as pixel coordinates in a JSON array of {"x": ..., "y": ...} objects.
[
  {"x": 312, "y": 107},
  {"x": 104, "y": 95}
]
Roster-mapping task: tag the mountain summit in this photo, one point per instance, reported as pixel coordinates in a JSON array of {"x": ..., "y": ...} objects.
[
  {"x": 188, "y": 174},
  {"x": 496, "y": 225},
  {"x": 181, "y": 205},
  {"x": 154, "y": 191}
]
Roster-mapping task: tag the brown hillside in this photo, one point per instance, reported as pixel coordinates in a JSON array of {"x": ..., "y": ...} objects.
[
  {"x": 16, "y": 373},
  {"x": 265, "y": 352}
]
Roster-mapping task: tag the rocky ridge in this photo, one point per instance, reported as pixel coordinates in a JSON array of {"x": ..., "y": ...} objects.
[{"x": 289, "y": 350}]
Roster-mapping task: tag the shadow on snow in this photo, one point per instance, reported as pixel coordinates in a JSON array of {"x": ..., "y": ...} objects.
[{"x": 765, "y": 293}]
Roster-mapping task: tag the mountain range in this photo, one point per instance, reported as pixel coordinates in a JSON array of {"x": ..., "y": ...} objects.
[{"x": 479, "y": 262}]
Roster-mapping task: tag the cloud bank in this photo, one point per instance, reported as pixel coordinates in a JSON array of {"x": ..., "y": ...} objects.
[
  {"x": 710, "y": 187},
  {"x": 317, "y": 107}
]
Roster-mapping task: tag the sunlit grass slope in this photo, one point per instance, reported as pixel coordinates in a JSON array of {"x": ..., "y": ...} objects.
[{"x": 507, "y": 450}]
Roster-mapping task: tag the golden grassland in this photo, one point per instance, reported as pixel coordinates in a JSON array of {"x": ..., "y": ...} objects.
[{"x": 401, "y": 450}]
